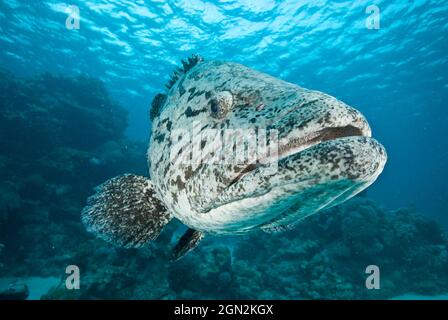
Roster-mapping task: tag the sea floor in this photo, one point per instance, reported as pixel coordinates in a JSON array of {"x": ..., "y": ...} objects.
[
  {"x": 37, "y": 286},
  {"x": 413, "y": 296}
]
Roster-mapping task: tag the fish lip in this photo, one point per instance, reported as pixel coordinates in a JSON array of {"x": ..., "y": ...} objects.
[
  {"x": 365, "y": 140},
  {"x": 297, "y": 145}
]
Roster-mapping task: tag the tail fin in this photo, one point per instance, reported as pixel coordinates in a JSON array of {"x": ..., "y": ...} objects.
[{"x": 125, "y": 211}]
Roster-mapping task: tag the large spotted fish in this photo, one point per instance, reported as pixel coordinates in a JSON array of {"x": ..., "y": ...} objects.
[{"x": 316, "y": 152}]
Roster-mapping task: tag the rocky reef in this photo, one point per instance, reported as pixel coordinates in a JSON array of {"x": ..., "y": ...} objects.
[
  {"x": 62, "y": 136},
  {"x": 15, "y": 291},
  {"x": 59, "y": 138},
  {"x": 324, "y": 258}
]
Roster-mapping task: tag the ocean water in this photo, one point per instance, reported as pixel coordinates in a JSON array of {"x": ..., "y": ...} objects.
[{"x": 74, "y": 113}]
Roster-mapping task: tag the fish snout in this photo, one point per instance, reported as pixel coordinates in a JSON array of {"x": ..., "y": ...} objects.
[
  {"x": 317, "y": 117},
  {"x": 364, "y": 159},
  {"x": 356, "y": 158},
  {"x": 325, "y": 175}
]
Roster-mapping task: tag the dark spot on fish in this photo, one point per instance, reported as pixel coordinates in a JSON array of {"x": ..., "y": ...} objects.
[
  {"x": 188, "y": 173},
  {"x": 180, "y": 86},
  {"x": 169, "y": 125},
  {"x": 174, "y": 196},
  {"x": 179, "y": 183},
  {"x": 181, "y": 90},
  {"x": 221, "y": 86},
  {"x": 156, "y": 105},
  {"x": 193, "y": 93},
  {"x": 159, "y": 137},
  {"x": 191, "y": 113}
]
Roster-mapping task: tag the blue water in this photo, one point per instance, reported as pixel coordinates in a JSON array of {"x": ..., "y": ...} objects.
[{"x": 397, "y": 75}]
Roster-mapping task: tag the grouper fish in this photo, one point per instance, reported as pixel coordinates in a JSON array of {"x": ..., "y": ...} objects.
[{"x": 234, "y": 150}]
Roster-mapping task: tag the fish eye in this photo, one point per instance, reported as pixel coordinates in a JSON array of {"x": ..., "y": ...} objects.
[
  {"x": 214, "y": 106},
  {"x": 220, "y": 104}
]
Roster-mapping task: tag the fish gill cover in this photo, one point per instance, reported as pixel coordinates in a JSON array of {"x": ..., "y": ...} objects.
[{"x": 71, "y": 110}]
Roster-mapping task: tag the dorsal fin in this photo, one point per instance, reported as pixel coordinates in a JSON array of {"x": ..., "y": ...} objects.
[
  {"x": 160, "y": 98},
  {"x": 156, "y": 105},
  {"x": 186, "y": 66}
]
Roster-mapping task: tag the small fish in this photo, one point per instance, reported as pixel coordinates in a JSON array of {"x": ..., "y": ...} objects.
[{"x": 323, "y": 155}]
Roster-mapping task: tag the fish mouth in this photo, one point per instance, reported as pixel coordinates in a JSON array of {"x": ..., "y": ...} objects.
[
  {"x": 301, "y": 133},
  {"x": 291, "y": 146},
  {"x": 318, "y": 177},
  {"x": 296, "y": 145}
]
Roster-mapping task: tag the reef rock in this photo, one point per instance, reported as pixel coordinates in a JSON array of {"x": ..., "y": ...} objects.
[{"x": 15, "y": 291}]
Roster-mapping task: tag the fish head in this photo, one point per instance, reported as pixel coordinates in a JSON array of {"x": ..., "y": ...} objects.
[{"x": 235, "y": 149}]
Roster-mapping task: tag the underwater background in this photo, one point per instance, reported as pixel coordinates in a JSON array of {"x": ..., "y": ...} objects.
[{"x": 74, "y": 112}]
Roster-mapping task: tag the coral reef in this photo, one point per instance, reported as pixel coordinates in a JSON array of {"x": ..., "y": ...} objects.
[
  {"x": 47, "y": 111},
  {"x": 60, "y": 138},
  {"x": 324, "y": 258},
  {"x": 63, "y": 136},
  {"x": 15, "y": 291}
]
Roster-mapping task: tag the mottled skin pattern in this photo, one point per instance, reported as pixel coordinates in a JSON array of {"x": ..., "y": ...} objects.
[{"x": 326, "y": 153}]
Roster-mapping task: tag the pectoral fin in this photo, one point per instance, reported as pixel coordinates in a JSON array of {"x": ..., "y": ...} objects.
[
  {"x": 125, "y": 211},
  {"x": 187, "y": 242}
]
